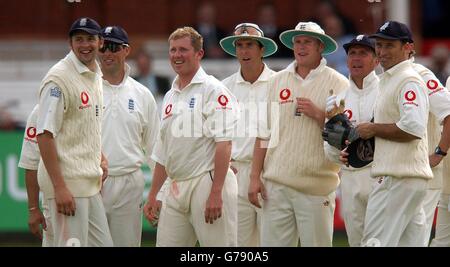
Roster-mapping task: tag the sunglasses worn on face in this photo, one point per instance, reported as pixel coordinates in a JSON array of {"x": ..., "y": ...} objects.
[
  {"x": 113, "y": 47},
  {"x": 248, "y": 29}
]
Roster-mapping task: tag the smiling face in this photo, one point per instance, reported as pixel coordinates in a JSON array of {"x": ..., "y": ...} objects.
[
  {"x": 392, "y": 52},
  {"x": 85, "y": 46},
  {"x": 249, "y": 52},
  {"x": 361, "y": 61},
  {"x": 184, "y": 59},
  {"x": 113, "y": 62},
  {"x": 308, "y": 51}
]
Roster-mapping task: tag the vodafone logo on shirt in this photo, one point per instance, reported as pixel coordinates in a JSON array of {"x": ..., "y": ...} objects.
[
  {"x": 348, "y": 113},
  {"x": 168, "y": 111},
  {"x": 31, "y": 134},
  {"x": 284, "y": 96},
  {"x": 433, "y": 86},
  {"x": 84, "y": 96},
  {"x": 223, "y": 102},
  {"x": 410, "y": 96}
]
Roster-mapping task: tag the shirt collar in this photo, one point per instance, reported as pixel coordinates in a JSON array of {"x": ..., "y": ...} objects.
[
  {"x": 80, "y": 67},
  {"x": 125, "y": 77},
  {"x": 397, "y": 68},
  {"x": 312, "y": 74},
  {"x": 199, "y": 77},
  {"x": 367, "y": 82},
  {"x": 263, "y": 77}
]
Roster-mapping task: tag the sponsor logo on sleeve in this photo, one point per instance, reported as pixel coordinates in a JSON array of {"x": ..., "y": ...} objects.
[
  {"x": 31, "y": 135},
  {"x": 433, "y": 86},
  {"x": 55, "y": 92},
  {"x": 410, "y": 96}
]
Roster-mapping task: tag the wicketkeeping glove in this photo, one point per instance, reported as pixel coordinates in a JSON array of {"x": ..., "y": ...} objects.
[{"x": 337, "y": 130}]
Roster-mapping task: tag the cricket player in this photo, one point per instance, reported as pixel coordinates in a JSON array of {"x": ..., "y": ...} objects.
[
  {"x": 29, "y": 161},
  {"x": 442, "y": 234},
  {"x": 438, "y": 131},
  {"x": 356, "y": 183},
  {"x": 249, "y": 86},
  {"x": 300, "y": 183},
  {"x": 395, "y": 215},
  {"x": 69, "y": 139},
  {"x": 194, "y": 149},
  {"x": 129, "y": 129}
]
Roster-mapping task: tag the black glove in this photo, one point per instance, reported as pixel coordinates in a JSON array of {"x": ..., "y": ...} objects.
[{"x": 337, "y": 130}]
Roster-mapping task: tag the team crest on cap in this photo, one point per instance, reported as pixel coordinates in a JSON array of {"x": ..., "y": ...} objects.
[
  {"x": 359, "y": 37},
  {"x": 382, "y": 28},
  {"x": 108, "y": 30},
  {"x": 83, "y": 22}
]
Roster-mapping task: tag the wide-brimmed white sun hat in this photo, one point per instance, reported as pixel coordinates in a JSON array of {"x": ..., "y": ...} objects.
[{"x": 309, "y": 29}]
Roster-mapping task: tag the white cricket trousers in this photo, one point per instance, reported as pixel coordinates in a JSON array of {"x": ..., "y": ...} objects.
[
  {"x": 123, "y": 200},
  {"x": 356, "y": 186},
  {"x": 88, "y": 228},
  {"x": 289, "y": 215},
  {"x": 395, "y": 215},
  {"x": 249, "y": 216},
  {"x": 182, "y": 217},
  {"x": 442, "y": 236},
  {"x": 430, "y": 204},
  {"x": 47, "y": 235}
]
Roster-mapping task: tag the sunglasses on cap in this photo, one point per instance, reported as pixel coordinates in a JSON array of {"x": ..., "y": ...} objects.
[
  {"x": 113, "y": 47},
  {"x": 249, "y": 29}
]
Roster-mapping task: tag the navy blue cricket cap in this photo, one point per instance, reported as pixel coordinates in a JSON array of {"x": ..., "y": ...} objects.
[
  {"x": 394, "y": 30},
  {"x": 361, "y": 39},
  {"x": 115, "y": 34},
  {"x": 85, "y": 24}
]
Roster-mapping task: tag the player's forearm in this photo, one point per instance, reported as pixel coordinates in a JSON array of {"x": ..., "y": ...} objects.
[
  {"x": 319, "y": 117},
  {"x": 159, "y": 177},
  {"x": 259, "y": 154},
  {"x": 221, "y": 165},
  {"x": 390, "y": 131},
  {"x": 444, "y": 143},
  {"x": 32, "y": 186},
  {"x": 49, "y": 156}
]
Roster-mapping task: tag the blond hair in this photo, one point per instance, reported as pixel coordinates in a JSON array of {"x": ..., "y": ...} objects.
[{"x": 196, "y": 38}]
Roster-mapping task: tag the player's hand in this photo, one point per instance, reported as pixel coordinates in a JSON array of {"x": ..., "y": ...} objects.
[
  {"x": 435, "y": 160},
  {"x": 365, "y": 130},
  {"x": 65, "y": 202},
  {"x": 343, "y": 156},
  {"x": 307, "y": 107},
  {"x": 35, "y": 220},
  {"x": 104, "y": 166},
  {"x": 213, "y": 209},
  {"x": 256, "y": 187},
  {"x": 152, "y": 209}
]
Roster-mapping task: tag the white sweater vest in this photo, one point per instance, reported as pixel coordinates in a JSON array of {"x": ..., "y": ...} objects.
[
  {"x": 78, "y": 142},
  {"x": 398, "y": 159}
]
